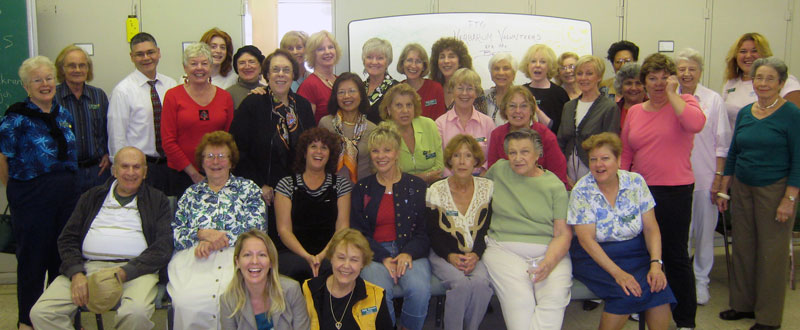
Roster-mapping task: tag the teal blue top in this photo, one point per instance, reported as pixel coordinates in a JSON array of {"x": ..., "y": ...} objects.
[
  {"x": 263, "y": 322},
  {"x": 766, "y": 150}
]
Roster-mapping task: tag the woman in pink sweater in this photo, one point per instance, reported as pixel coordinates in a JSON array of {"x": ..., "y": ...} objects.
[{"x": 657, "y": 141}]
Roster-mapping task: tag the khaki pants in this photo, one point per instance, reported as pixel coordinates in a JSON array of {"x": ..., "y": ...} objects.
[
  {"x": 55, "y": 310},
  {"x": 760, "y": 251}
]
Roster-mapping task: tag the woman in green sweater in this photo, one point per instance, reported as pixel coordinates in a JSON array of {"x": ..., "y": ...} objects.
[
  {"x": 764, "y": 167},
  {"x": 528, "y": 237}
]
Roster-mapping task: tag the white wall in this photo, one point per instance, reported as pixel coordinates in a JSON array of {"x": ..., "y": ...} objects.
[{"x": 709, "y": 26}]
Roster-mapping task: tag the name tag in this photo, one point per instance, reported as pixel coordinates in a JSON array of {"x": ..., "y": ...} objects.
[
  {"x": 94, "y": 106},
  {"x": 429, "y": 155},
  {"x": 538, "y": 102},
  {"x": 369, "y": 310},
  {"x": 451, "y": 213},
  {"x": 731, "y": 90},
  {"x": 480, "y": 139},
  {"x": 65, "y": 124},
  {"x": 430, "y": 102}
]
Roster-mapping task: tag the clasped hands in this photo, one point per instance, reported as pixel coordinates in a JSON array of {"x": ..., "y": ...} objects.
[{"x": 210, "y": 240}]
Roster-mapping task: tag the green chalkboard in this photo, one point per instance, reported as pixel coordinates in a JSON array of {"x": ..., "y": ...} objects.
[{"x": 13, "y": 50}]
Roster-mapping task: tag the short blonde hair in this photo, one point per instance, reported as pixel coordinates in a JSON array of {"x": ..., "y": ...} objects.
[
  {"x": 377, "y": 45},
  {"x": 611, "y": 140},
  {"x": 197, "y": 49},
  {"x": 31, "y": 64},
  {"x": 384, "y": 133},
  {"x": 350, "y": 236},
  {"x": 60, "y": 75},
  {"x": 560, "y": 63},
  {"x": 526, "y": 94},
  {"x": 598, "y": 63},
  {"x": 732, "y": 70},
  {"x": 465, "y": 76},
  {"x": 547, "y": 52},
  {"x": 397, "y": 90},
  {"x": 314, "y": 41},
  {"x": 456, "y": 142},
  {"x": 423, "y": 55},
  {"x": 292, "y": 38}
]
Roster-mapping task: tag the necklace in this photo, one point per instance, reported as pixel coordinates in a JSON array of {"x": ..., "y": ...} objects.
[
  {"x": 769, "y": 106},
  {"x": 339, "y": 321}
]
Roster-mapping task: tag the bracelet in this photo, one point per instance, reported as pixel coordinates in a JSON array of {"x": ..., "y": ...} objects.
[{"x": 791, "y": 198}]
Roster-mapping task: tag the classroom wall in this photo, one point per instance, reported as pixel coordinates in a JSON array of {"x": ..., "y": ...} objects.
[{"x": 709, "y": 26}]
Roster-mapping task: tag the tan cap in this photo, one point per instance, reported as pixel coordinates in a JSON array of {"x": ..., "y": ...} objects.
[{"x": 105, "y": 290}]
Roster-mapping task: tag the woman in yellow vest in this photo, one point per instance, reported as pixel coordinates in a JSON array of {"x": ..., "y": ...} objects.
[{"x": 341, "y": 300}]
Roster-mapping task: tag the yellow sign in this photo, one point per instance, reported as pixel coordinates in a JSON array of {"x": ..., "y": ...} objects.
[{"x": 131, "y": 27}]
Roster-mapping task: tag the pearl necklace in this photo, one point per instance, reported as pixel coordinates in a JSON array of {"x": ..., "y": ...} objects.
[{"x": 769, "y": 106}]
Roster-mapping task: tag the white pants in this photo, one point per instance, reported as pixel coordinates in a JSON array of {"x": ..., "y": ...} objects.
[
  {"x": 525, "y": 305},
  {"x": 55, "y": 310},
  {"x": 195, "y": 285},
  {"x": 701, "y": 235}
]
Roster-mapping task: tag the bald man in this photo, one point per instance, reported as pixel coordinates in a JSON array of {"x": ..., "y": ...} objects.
[{"x": 123, "y": 224}]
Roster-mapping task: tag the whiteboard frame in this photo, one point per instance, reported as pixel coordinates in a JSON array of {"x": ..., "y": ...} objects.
[
  {"x": 356, "y": 65},
  {"x": 33, "y": 40}
]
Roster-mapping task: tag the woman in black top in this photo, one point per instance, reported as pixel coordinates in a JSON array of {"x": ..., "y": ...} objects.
[
  {"x": 266, "y": 128},
  {"x": 539, "y": 64},
  {"x": 312, "y": 205}
]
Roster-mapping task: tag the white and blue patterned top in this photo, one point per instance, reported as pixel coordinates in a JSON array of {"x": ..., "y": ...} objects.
[
  {"x": 587, "y": 205},
  {"x": 235, "y": 209}
]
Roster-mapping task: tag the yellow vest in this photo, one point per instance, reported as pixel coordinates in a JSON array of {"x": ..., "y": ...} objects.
[{"x": 365, "y": 311}]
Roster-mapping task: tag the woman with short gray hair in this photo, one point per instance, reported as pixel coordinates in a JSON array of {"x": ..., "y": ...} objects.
[
  {"x": 528, "y": 237},
  {"x": 627, "y": 84},
  {"x": 184, "y": 121},
  {"x": 377, "y": 55},
  {"x": 708, "y": 158},
  {"x": 501, "y": 68},
  {"x": 763, "y": 173}
]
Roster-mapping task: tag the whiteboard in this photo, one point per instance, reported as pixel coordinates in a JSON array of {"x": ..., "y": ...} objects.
[{"x": 485, "y": 34}]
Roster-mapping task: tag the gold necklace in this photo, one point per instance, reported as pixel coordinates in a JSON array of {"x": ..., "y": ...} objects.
[{"x": 338, "y": 323}]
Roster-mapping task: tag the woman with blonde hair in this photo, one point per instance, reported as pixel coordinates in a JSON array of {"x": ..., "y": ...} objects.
[
  {"x": 539, "y": 64},
  {"x": 322, "y": 54},
  {"x": 738, "y": 91},
  {"x": 295, "y": 43},
  {"x": 221, "y": 46},
  {"x": 259, "y": 297}
]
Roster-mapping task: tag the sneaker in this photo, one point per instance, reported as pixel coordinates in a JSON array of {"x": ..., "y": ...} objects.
[
  {"x": 634, "y": 317},
  {"x": 702, "y": 294}
]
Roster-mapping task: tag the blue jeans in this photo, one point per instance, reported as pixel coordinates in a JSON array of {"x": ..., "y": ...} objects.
[
  {"x": 87, "y": 177},
  {"x": 416, "y": 285}
]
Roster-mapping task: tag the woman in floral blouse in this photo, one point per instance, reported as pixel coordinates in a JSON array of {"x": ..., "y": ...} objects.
[
  {"x": 618, "y": 250},
  {"x": 211, "y": 215}
]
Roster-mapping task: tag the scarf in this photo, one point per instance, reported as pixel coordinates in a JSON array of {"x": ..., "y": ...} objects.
[
  {"x": 349, "y": 156},
  {"x": 377, "y": 94},
  {"x": 49, "y": 120}
]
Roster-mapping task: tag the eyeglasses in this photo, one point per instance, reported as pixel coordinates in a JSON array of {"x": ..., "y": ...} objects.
[
  {"x": 74, "y": 66},
  {"x": 277, "y": 70},
  {"x": 219, "y": 156},
  {"x": 343, "y": 92},
  {"x": 568, "y": 67},
  {"x": 37, "y": 81},
  {"x": 623, "y": 60}
]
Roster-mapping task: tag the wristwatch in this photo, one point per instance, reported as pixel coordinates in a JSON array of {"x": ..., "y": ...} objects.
[
  {"x": 659, "y": 261},
  {"x": 792, "y": 198}
]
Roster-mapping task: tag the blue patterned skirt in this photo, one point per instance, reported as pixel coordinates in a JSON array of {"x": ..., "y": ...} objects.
[{"x": 632, "y": 257}]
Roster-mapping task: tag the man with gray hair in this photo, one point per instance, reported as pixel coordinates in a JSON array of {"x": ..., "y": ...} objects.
[
  {"x": 123, "y": 225},
  {"x": 134, "y": 113}
]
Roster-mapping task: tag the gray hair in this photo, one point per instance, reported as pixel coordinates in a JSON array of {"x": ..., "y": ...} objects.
[
  {"x": 34, "y": 63},
  {"x": 524, "y": 134},
  {"x": 197, "y": 49},
  {"x": 628, "y": 71},
  {"x": 689, "y": 54},
  {"x": 772, "y": 62},
  {"x": 502, "y": 57},
  {"x": 377, "y": 45}
]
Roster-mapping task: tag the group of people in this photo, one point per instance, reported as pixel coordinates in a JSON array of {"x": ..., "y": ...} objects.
[{"x": 298, "y": 190}]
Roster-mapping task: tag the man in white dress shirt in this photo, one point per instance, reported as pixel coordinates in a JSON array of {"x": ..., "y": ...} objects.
[
  {"x": 134, "y": 112},
  {"x": 123, "y": 225}
]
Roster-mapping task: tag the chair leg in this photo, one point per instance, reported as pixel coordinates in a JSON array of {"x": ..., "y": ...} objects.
[
  {"x": 170, "y": 317},
  {"x": 99, "y": 318},
  {"x": 791, "y": 263},
  {"x": 76, "y": 321},
  {"x": 440, "y": 311},
  {"x": 642, "y": 322},
  {"x": 726, "y": 238}
]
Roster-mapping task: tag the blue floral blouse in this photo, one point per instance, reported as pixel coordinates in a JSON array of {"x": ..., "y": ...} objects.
[
  {"x": 587, "y": 205},
  {"x": 235, "y": 209}
]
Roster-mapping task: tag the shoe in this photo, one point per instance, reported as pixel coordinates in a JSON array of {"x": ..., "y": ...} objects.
[
  {"x": 764, "y": 327},
  {"x": 634, "y": 317},
  {"x": 589, "y": 305},
  {"x": 685, "y": 328},
  {"x": 732, "y": 315},
  {"x": 702, "y": 294}
]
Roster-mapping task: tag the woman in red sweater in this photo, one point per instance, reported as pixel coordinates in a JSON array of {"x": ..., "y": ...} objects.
[{"x": 190, "y": 111}]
